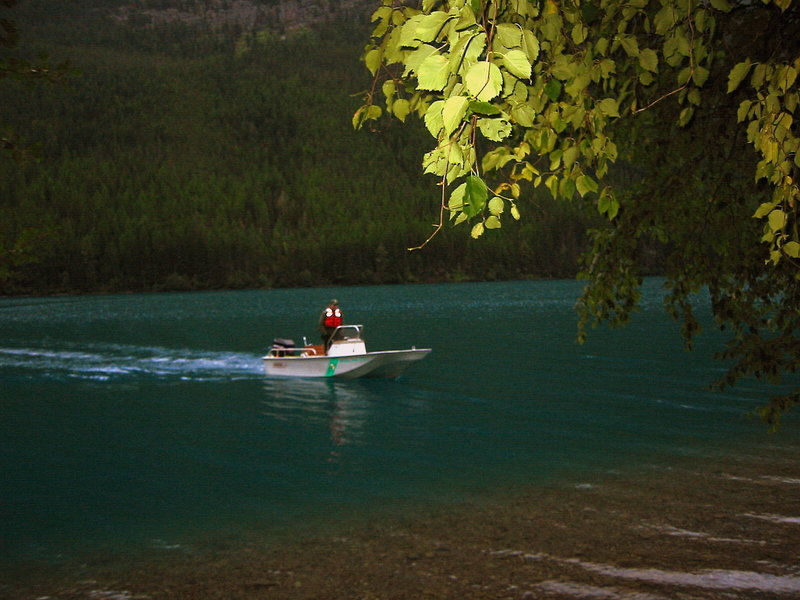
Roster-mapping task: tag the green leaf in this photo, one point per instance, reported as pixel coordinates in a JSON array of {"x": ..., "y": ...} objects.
[
  {"x": 665, "y": 19},
  {"x": 773, "y": 103},
  {"x": 382, "y": 12},
  {"x": 701, "y": 20},
  {"x": 433, "y": 118},
  {"x": 530, "y": 45},
  {"x": 552, "y": 185},
  {"x": 777, "y": 220},
  {"x": 581, "y": 81},
  {"x": 515, "y": 212},
  {"x": 601, "y": 47},
  {"x": 700, "y": 76},
  {"x": 585, "y": 185},
  {"x": 684, "y": 46},
  {"x": 553, "y": 89},
  {"x": 416, "y": 58},
  {"x": 569, "y": 157},
  {"x": 759, "y": 75},
  {"x": 744, "y": 108},
  {"x": 484, "y": 81},
  {"x": 495, "y": 129},
  {"x": 433, "y": 73},
  {"x": 566, "y": 188},
  {"x": 456, "y": 201},
  {"x": 763, "y": 210},
  {"x": 401, "y": 108},
  {"x": 430, "y": 26},
  {"x": 564, "y": 68},
  {"x": 769, "y": 147},
  {"x": 466, "y": 51},
  {"x": 365, "y": 113},
  {"x": 579, "y": 33},
  {"x": 509, "y": 35},
  {"x": 435, "y": 162},
  {"x": 496, "y": 159},
  {"x": 496, "y": 205},
  {"x": 737, "y": 74},
  {"x": 475, "y": 195},
  {"x": 493, "y": 222},
  {"x": 517, "y": 63},
  {"x": 466, "y": 18},
  {"x": 408, "y": 33},
  {"x": 523, "y": 114},
  {"x": 607, "y": 203},
  {"x": 607, "y": 67},
  {"x": 388, "y": 88},
  {"x": 555, "y": 159},
  {"x": 609, "y": 107},
  {"x": 786, "y": 76},
  {"x": 477, "y": 231},
  {"x": 648, "y": 59},
  {"x": 455, "y": 154},
  {"x": 358, "y": 117},
  {"x": 722, "y": 5},
  {"x": 629, "y": 44},
  {"x": 792, "y": 249},
  {"x": 685, "y": 116},
  {"x": 453, "y": 112},
  {"x": 484, "y": 108},
  {"x": 373, "y": 60}
]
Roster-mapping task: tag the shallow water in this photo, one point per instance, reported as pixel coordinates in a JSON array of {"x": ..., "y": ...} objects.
[{"x": 143, "y": 423}]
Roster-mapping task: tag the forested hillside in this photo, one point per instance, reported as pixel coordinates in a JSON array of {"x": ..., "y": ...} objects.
[{"x": 179, "y": 155}]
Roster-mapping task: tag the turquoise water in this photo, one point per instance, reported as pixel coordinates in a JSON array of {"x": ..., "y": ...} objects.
[{"x": 133, "y": 421}]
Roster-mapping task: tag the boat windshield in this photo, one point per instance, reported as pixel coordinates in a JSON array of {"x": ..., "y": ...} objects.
[{"x": 346, "y": 333}]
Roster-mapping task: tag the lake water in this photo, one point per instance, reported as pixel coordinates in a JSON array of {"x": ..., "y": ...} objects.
[{"x": 136, "y": 422}]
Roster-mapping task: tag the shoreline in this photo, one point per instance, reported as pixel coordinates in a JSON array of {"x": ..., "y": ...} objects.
[{"x": 725, "y": 526}]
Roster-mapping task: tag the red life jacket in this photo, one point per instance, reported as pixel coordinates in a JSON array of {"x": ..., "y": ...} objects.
[{"x": 333, "y": 317}]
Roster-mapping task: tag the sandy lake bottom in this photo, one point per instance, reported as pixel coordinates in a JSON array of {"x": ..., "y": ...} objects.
[{"x": 724, "y": 527}]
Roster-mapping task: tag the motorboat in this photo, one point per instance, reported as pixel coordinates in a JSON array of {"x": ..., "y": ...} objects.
[{"x": 346, "y": 357}]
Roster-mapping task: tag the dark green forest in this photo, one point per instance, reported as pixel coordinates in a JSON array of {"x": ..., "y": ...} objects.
[{"x": 182, "y": 156}]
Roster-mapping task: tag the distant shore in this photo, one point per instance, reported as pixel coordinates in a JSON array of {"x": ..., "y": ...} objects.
[{"x": 726, "y": 527}]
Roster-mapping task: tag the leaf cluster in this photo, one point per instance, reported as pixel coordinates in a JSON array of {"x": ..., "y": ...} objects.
[{"x": 642, "y": 109}]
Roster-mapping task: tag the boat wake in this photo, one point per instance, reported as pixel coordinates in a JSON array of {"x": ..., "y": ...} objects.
[{"x": 120, "y": 362}]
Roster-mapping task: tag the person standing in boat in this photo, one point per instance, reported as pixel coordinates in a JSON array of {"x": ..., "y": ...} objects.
[{"x": 329, "y": 320}]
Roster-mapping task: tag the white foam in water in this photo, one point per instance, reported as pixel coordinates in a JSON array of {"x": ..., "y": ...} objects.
[
  {"x": 569, "y": 589},
  {"x": 787, "y": 480},
  {"x": 165, "y": 545},
  {"x": 103, "y": 363},
  {"x": 774, "y": 518},
  {"x": 708, "y": 579},
  {"x": 763, "y": 478},
  {"x": 677, "y": 532},
  {"x": 114, "y": 595}
]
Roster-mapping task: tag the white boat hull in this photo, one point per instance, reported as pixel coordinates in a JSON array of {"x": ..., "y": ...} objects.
[{"x": 387, "y": 364}]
